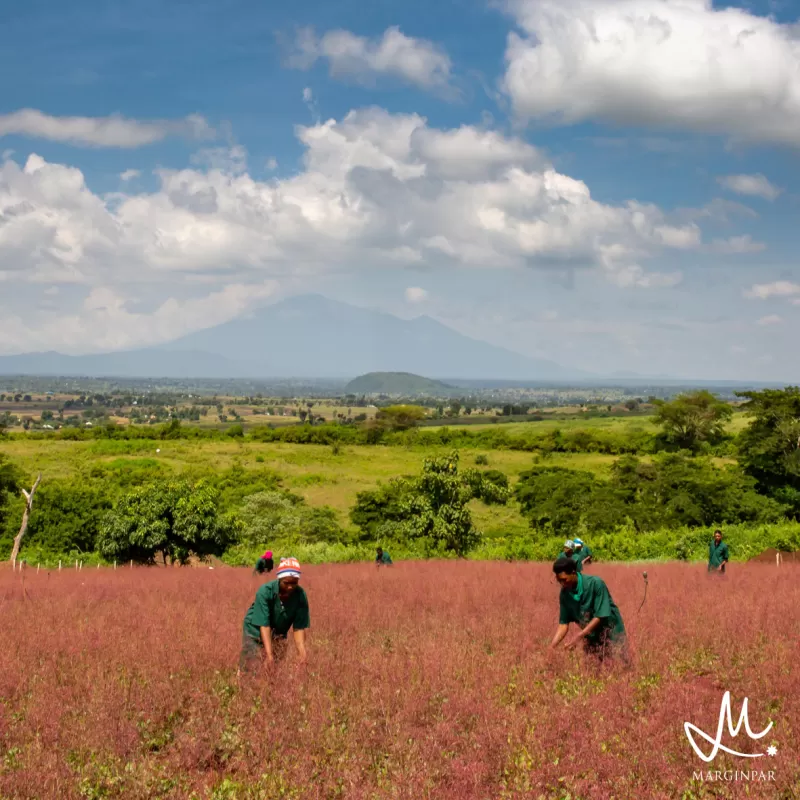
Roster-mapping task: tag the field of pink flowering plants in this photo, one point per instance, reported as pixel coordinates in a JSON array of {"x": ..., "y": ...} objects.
[{"x": 428, "y": 680}]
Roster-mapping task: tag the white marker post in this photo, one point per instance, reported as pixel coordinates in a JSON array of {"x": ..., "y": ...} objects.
[{"x": 59, "y": 566}]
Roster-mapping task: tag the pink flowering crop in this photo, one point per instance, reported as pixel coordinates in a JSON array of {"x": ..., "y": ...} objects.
[{"x": 427, "y": 680}]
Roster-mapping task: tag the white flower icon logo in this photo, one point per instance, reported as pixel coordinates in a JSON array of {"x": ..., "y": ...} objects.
[{"x": 772, "y": 750}]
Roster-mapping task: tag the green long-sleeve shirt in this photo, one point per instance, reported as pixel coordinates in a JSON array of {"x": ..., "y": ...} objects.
[{"x": 717, "y": 554}]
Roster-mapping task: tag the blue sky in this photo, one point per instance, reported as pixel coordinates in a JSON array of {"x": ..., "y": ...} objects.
[{"x": 612, "y": 184}]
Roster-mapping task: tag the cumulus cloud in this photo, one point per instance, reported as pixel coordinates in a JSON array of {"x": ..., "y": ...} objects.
[
  {"x": 763, "y": 291},
  {"x": 416, "y": 61},
  {"x": 671, "y": 63},
  {"x": 114, "y": 131},
  {"x": 376, "y": 190},
  {"x": 105, "y": 321},
  {"x": 754, "y": 185},
  {"x": 736, "y": 245},
  {"x": 416, "y": 295},
  {"x": 129, "y": 174}
]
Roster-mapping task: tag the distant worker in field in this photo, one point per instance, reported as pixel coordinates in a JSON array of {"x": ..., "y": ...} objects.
[
  {"x": 717, "y": 554},
  {"x": 582, "y": 553},
  {"x": 382, "y": 558},
  {"x": 265, "y": 564},
  {"x": 279, "y": 605},
  {"x": 586, "y": 601},
  {"x": 569, "y": 552}
]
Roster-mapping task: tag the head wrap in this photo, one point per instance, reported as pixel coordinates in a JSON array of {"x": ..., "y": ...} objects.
[
  {"x": 268, "y": 554},
  {"x": 569, "y": 545},
  {"x": 577, "y": 541},
  {"x": 288, "y": 568}
]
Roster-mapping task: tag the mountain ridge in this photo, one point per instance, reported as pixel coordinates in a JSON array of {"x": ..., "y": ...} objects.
[{"x": 308, "y": 336}]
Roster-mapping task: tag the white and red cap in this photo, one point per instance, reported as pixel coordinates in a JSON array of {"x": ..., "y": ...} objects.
[{"x": 288, "y": 568}]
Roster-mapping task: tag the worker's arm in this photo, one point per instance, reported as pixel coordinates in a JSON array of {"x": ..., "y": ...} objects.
[
  {"x": 266, "y": 640},
  {"x": 586, "y": 560},
  {"x": 300, "y": 644},
  {"x": 559, "y": 637},
  {"x": 585, "y": 632}
]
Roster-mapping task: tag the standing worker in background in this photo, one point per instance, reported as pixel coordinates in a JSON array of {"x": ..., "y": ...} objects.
[
  {"x": 569, "y": 552},
  {"x": 279, "y": 605},
  {"x": 586, "y": 601},
  {"x": 265, "y": 564},
  {"x": 717, "y": 554},
  {"x": 582, "y": 553},
  {"x": 382, "y": 558}
]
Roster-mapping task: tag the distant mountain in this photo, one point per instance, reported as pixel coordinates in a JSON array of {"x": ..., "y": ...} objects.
[
  {"x": 310, "y": 335},
  {"x": 397, "y": 383},
  {"x": 149, "y": 363},
  {"x": 306, "y": 337}
]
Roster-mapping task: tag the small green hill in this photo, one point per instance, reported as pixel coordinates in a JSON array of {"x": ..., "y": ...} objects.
[{"x": 396, "y": 383}]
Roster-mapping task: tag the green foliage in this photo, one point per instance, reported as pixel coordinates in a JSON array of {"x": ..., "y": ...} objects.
[
  {"x": 430, "y": 509},
  {"x": 399, "y": 418},
  {"x": 378, "y": 511},
  {"x": 769, "y": 448},
  {"x": 175, "y": 519},
  {"x": 673, "y": 490},
  {"x": 281, "y": 515},
  {"x": 9, "y": 485},
  {"x": 66, "y": 517},
  {"x": 692, "y": 420}
]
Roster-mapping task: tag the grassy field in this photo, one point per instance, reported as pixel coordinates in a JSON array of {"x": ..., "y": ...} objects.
[
  {"x": 420, "y": 685},
  {"x": 313, "y": 471},
  {"x": 616, "y": 424}
]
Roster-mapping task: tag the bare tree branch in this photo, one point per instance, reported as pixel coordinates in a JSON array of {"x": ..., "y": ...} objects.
[{"x": 25, "y": 515}]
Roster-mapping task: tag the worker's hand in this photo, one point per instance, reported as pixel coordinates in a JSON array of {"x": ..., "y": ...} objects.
[{"x": 571, "y": 644}]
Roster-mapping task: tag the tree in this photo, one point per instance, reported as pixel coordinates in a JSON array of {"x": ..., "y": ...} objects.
[
  {"x": 9, "y": 485},
  {"x": 283, "y": 516},
  {"x": 175, "y": 519},
  {"x": 28, "y": 495},
  {"x": 437, "y": 511},
  {"x": 769, "y": 447},
  {"x": 399, "y": 418},
  {"x": 432, "y": 507},
  {"x": 690, "y": 420}
]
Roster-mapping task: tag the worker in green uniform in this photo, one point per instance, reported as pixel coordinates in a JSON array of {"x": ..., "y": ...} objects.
[
  {"x": 717, "y": 554},
  {"x": 279, "y": 605},
  {"x": 382, "y": 558},
  {"x": 569, "y": 552},
  {"x": 582, "y": 553},
  {"x": 586, "y": 601}
]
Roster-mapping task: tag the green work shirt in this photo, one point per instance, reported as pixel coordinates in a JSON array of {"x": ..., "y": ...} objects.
[
  {"x": 581, "y": 555},
  {"x": 268, "y": 611},
  {"x": 574, "y": 557},
  {"x": 385, "y": 558},
  {"x": 595, "y": 601},
  {"x": 717, "y": 553}
]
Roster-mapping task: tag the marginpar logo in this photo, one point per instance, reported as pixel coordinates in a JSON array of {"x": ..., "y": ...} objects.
[{"x": 726, "y": 715}]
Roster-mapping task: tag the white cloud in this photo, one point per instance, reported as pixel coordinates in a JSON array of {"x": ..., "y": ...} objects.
[
  {"x": 114, "y": 131},
  {"x": 680, "y": 64},
  {"x": 416, "y": 295},
  {"x": 376, "y": 190},
  {"x": 763, "y": 291},
  {"x": 772, "y": 319},
  {"x": 129, "y": 174},
  {"x": 754, "y": 185},
  {"x": 104, "y": 322},
  {"x": 736, "y": 245},
  {"x": 416, "y": 61}
]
